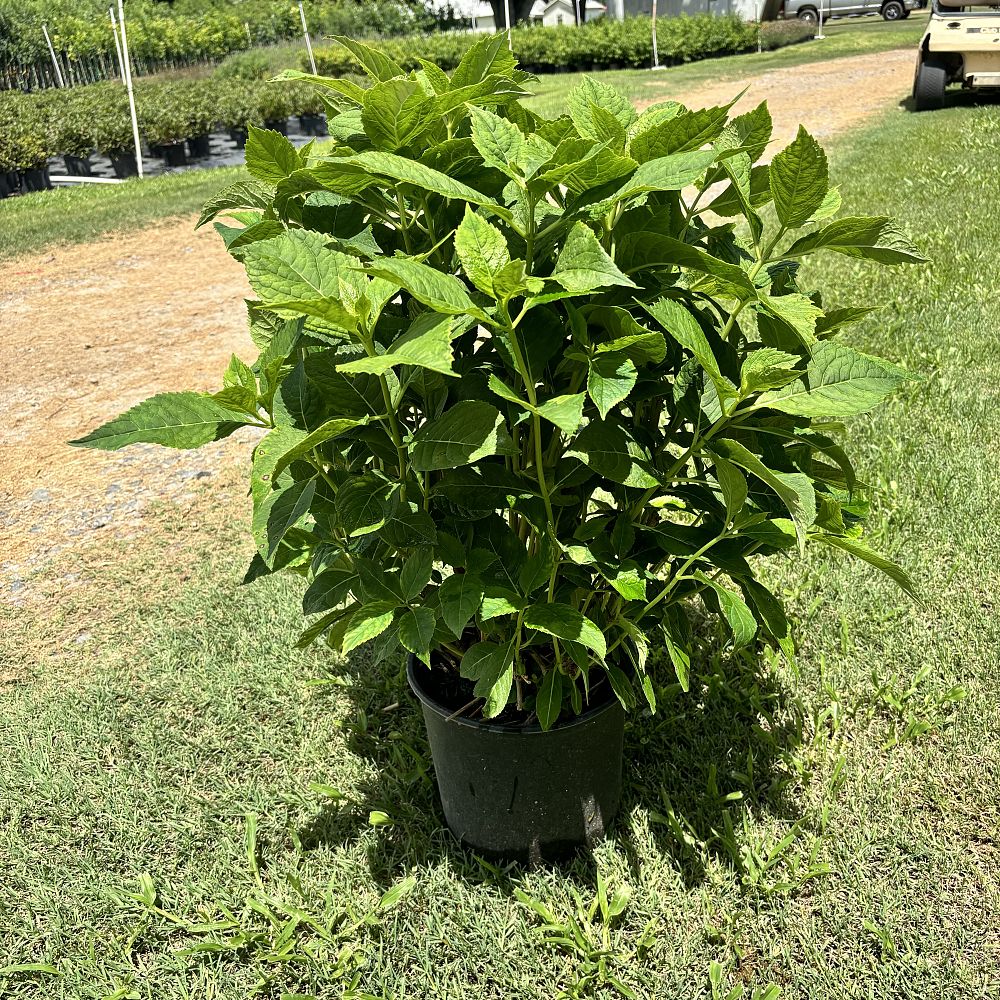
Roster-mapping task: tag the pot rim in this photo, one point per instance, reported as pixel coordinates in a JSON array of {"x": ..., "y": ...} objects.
[{"x": 533, "y": 730}]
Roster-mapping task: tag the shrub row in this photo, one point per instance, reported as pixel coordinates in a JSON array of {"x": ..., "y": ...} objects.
[
  {"x": 34, "y": 127},
  {"x": 598, "y": 44},
  {"x": 186, "y": 31}
]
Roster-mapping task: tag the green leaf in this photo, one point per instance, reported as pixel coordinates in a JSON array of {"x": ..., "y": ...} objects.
[
  {"x": 666, "y": 173},
  {"x": 500, "y": 142},
  {"x": 583, "y": 264},
  {"x": 565, "y": 622},
  {"x": 270, "y": 157},
  {"x": 443, "y": 292},
  {"x": 279, "y": 513},
  {"x": 799, "y": 180},
  {"x": 733, "y": 484},
  {"x": 394, "y": 896},
  {"x": 681, "y": 324},
  {"x": 363, "y": 503},
  {"x": 654, "y": 250},
  {"x": 767, "y": 368},
  {"x": 396, "y": 112},
  {"x": 797, "y": 312},
  {"x": 614, "y": 454},
  {"x": 491, "y": 666},
  {"x": 329, "y": 590},
  {"x": 482, "y": 250},
  {"x": 290, "y": 443},
  {"x": 373, "y": 60},
  {"x": 490, "y": 55},
  {"x": 566, "y": 412},
  {"x": 838, "y": 381},
  {"x": 794, "y": 489},
  {"x": 466, "y": 432},
  {"x": 426, "y": 344},
  {"x": 236, "y": 197},
  {"x": 460, "y": 597},
  {"x": 174, "y": 419},
  {"x": 859, "y": 549},
  {"x": 875, "y": 239},
  {"x": 416, "y": 573},
  {"x": 689, "y": 130},
  {"x": 548, "y": 701},
  {"x": 628, "y": 580},
  {"x": 416, "y": 630},
  {"x": 366, "y": 623},
  {"x": 591, "y": 101},
  {"x": 610, "y": 379},
  {"x": 738, "y": 616}
]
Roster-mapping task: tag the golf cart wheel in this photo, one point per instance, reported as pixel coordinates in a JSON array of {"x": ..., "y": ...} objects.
[
  {"x": 809, "y": 15},
  {"x": 893, "y": 11},
  {"x": 928, "y": 93}
]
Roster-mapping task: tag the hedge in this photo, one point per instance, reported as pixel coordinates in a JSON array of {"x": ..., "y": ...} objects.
[{"x": 600, "y": 44}]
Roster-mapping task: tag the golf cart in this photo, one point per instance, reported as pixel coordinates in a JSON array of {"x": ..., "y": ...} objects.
[{"x": 961, "y": 45}]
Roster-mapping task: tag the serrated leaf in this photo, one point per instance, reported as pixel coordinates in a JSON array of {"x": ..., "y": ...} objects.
[
  {"x": 794, "y": 489},
  {"x": 416, "y": 630},
  {"x": 796, "y": 311},
  {"x": 548, "y": 701},
  {"x": 491, "y": 666},
  {"x": 667, "y": 173},
  {"x": 426, "y": 344},
  {"x": 799, "y": 180},
  {"x": 862, "y": 551},
  {"x": 565, "y": 622},
  {"x": 681, "y": 324},
  {"x": 688, "y": 130},
  {"x": 173, "y": 419},
  {"x": 489, "y": 55},
  {"x": 482, "y": 251},
  {"x": 460, "y": 597},
  {"x": 363, "y": 503},
  {"x": 838, "y": 381},
  {"x": 270, "y": 157},
  {"x": 366, "y": 623},
  {"x": 373, "y": 60},
  {"x": 236, "y": 197},
  {"x": 442, "y": 292},
  {"x": 468, "y": 431},
  {"x": 396, "y": 112},
  {"x": 416, "y": 573},
  {"x": 733, "y": 484},
  {"x": 500, "y": 142},
  {"x": 566, "y": 412},
  {"x": 875, "y": 238},
  {"x": 610, "y": 379},
  {"x": 278, "y": 513},
  {"x": 614, "y": 454},
  {"x": 583, "y": 264},
  {"x": 738, "y": 616},
  {"x": 767, "y": 368}
]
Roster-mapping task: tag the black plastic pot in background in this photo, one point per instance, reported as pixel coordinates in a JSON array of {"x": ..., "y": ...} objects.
[
  {"x": 239, "y": 136},
  {"x": 36, "y": 180},
  {"x": 77, "y": 166},
  {"x": 174, "y": 154},
  {"x": 5, "y": 188},
  {"x": 313, "y": 125},
  {"x": 277, "y": 125},
  {"x": 199, "y": 147},
  {"x": 124, "y": 165},
  {"x": 525, "y": 794}
]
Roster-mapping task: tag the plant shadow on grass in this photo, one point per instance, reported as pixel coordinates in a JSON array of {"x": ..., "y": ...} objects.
[{"x": 692, "y": 768}]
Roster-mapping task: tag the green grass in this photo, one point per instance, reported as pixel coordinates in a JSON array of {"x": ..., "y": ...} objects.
[
  {"x": 829, "y": 829},
  {"x": 75, "y": 215}
]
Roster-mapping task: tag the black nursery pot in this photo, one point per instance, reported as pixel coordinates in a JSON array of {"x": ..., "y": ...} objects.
[
  {"x": 313, "y": 125},
  {"x": 5, "y": 189},
  {"x": 199, "y": 147},
  {"x": 239, "y": 136},
  {"x": 124, "y": 165},
  {"x": 174, "y": 154},
  {"x": 277, "y": 125},
  {"x": 525, "y": 794},
  {"x": 77, "y": 166},
  {"x": 36, "y": 180}
]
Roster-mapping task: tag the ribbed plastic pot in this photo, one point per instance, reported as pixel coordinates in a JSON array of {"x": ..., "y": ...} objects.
[
  {"x": 124, "y": 165},
  {"x": 239, "y": 136},
  {"x": 77, "y": 166},
  {"x": 36, "y": 180},
  {"x": 525, "y": 794},
  {"x": 174, "y": 154},
  {"x": 277, "y": 125}
]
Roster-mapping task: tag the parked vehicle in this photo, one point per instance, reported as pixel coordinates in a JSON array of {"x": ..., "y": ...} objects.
[
  {"x": 961, "y": 45},
  {"x": 891, "y": 10}
]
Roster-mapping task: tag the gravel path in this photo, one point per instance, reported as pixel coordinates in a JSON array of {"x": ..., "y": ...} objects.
[{"x": 90, "y": 330}]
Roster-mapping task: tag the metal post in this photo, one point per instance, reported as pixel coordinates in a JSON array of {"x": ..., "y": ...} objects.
[
  {"x": 118, "y": 44},
  {"x": 305, "y": 32},
  {"x": 656, "y": 51},
  {"x": 52, "y": 52},
  {"x": 576, "y": 8},
  {"x": 126, "y": 65}
]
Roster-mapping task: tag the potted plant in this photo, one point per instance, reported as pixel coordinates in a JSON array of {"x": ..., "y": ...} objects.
[
  {"x": 111, "y": 124},
  {"x": 31, "y": 147},
  {"x": 165, "y": 122},
  {"x": 274, "y": 105},
  {"x": 528, "y": 415}
]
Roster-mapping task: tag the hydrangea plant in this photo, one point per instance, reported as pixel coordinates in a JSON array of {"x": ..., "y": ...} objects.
[{"x": 533, "y": 391}]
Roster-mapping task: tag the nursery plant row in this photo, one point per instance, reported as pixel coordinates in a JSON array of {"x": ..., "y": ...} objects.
[
  {"x": 602, "y": 44},
  {"x": 173, "y": 117}
]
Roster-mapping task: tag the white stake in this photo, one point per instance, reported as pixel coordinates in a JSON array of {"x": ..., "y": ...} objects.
[
  {"x": 126, "y": 62},
  {"x": 118, "y": 44},
  {"x": 656, "y": 51},
  {"x": 52, "y": 52},
  {"x": 506, "y": 14},
  {"x": 820, "y": 33},
  {"x": 577, "y": 5},
  {"x": 246, "y": 24},
  {"x": 305, "y": 32},
  {"x": 760, "y": 30}
]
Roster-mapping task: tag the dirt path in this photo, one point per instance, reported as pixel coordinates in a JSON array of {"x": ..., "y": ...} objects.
[{"x": 90, "y": 330}]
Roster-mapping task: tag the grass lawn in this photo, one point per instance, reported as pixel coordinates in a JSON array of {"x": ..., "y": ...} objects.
[
  {"x": 82, "y": 213},
  {"x": 189, "y": 809}
]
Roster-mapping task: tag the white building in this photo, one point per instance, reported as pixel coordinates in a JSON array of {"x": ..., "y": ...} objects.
[{"x": 548, "y": 13}]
